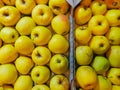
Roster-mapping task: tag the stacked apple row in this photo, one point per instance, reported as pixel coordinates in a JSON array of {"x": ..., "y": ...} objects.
[
  {"x": 34, "y": 44},
  {"x": 97, "y": 52}
]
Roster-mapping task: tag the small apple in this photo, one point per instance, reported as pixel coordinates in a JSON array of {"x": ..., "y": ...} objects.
[
  {"x": 25, "y": 6},
  {"x": 59, "y": 6},
  {"x": 40, "y": 74},
  {"x": 42, "y": 14},
  {"x": 9, "y": 2},
  {"x": 1, "y": 3},
  {"x": 113, "y": 17},
  {"x": 9, "y": 15},
  {"x": 41, "y": 87},
  {"x": 42, "y": 1},
  {"x": 86, "y": 3},
  {"x": 82, "y": 15},
  {"x": 41, "y": 55},
  {"x": 40, "y": 35},
  {"x": 115, "y": 87},
  {"x": 61, "y": 24},
  {"x": 8, "y": 34},
  {"x": 59, "y": 82},
  {"x": 99, "y": 44}
]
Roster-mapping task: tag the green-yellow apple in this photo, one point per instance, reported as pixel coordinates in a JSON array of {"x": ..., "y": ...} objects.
[
  {"x": 40, "y": 74},
  {"x": 114, "y": 75},
  {"x": 82, "y": 14},
  {"x": 1, "y": 3},
  {"x": 84, "y": 55},
  {"x": 100, "y": 64},
  {"x": 59, "y": 6},
  {"x": 42, "y": 14},
  {"x": 86, "y": 3},
  {"x": 59, "y": 82},
  {"x": 41, "y": 1},
  {"x": 8, "y": 34},
  {"x": 41, "y": 87},
  {"x": 25, "y": 25},
  {"x": 25, "y": 6},
  {"x": 61, "y": 24},
  {"x": 115, "y": 87},
  {"x": 113, "y": 17},
  {"x": 59, "y": 64},
  {"x": 113, "y": 55},
  {"x": 24, "y": 45},
  {"x": 86, "y": 77},
  {"x": 98, "y": 25},
  {"x": 41, "y": 35},
  {"x": 98, "y": 7},
  {"x": 103, "y": 83},
  {"x": 82, "y": 35},
  {"x": 99, "y": 44},
  {"x": 24, "y": 64},
  {"x": 41, "y": 55},
  {"x": 8, "y": 54},
  {"x": 58, "y": 44},
  {"x": 9, "y": 15},
  {"x": 23, "y": 82},
  {"x": 9, "y": 2},
  {"x": 8, "y": 74},
  {"x": 113, "y": 35}
]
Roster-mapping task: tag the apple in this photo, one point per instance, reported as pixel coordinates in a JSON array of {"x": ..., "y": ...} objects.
[
  {"x": 23, "y": 82},
  {"x": 113, "y": 75},
  {"x": 25, "y": 25},
  {"x": 82, "y": 14},
  {"x": 59, "y": 82},
  {"x": 113, "y": 17},
  {"x": 40, "y": 35},
  {"x": 24, "y": 45},
  {"x": 58, "y": 44},
  {"x": 40, "y": 74},
  {"x": 42, "y": 14},
  {"x": 41, "y": 55},
  {"x": 41, "y": 1},
  {"x": 59, "y": 6},
  {"x": 8, "y": 54},
  {"x": 61, "y": 24},
  {"x": 41, "y": 87},
  {"x": 8, "y": 34},
  {"x": 1, "y": 3},
  {"x": 86, "y": 77},
  {"x": 9, "y": 15},
  {"x": 86, "y": 3},
  {"x": 82, "y": 35},
  {"x": 9, "y": 2},
  {"x": 98, "y": 25},
  {"x": 8, "y": 74},
  {"x": 115, "y": 87},
  {"x": 25, "y": 6},
  {"x": 99, "y": 44},
  {"x": 98, "y": 8},
  {"x": 59, "y": 64},
  {"x": 100, "y": 64},
  {"x": 84, "y": 55}
]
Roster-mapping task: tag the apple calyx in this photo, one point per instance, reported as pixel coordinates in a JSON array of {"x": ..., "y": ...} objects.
[
  {"x": 114, "y": 3},
  {"x": 83, "y": 28},
  {"x": 6, "y": 13},
  {"x": 38, "y": 55},
  {"x": 23, "y": 1},
  {"x": 56, "y": 8}
]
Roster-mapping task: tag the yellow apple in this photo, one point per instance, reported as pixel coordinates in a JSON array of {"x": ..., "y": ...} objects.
[
  {"x": 24, "y": 64},
  {"x": 82, "y": 14},
  {"x": 41, "y": 35},
  {"x": 82, "y": 35},
  {"x": 8, "y": 54},
  {"x": 99, "y": 44},
  {"x": 59, "y": 82},
  {"x": 42, "y": 14},
  {"x": 115, "y": 87},
  {"x": 1, "y": 3},
  {"x": 58, "y": 44},
  {"x": 59, "y": 6},
  {"x": 23, "y": 82},
  {"x": 86, "y": 77},
  {"x": 8, "y": 74},
  {"x": 24, "y": 45},
  {"x": 41, "y": 55},
  {"x": 41, "y": 87},
  {"x": 40, "y": 74},
  {"x": 41, "y": 1},
  {"x": 9, "y": 15},
  {"x": 25, "y": 25},
  {"x": 25, "y": 6},
  {"x": 9, "y": 2},
  {"x": 8, "y": 34},
  {"x": 98, "y": 25}
]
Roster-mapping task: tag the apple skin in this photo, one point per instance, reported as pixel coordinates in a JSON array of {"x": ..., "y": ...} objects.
[
  {"x": 42, "y": 14},
  {"x": 115, "y": 87},
  {"x": 1, "y": 3},
  {"x": 86, "y": 3},
  {"x": 42, "y": 1},
  {"x": 41, "y": 87},
  {"x": 9, "y": 2},
  {"x": 59, "y": 82},
  {"x": 11, "y": 12}
]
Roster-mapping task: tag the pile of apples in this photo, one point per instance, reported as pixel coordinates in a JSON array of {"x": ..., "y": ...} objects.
[
  {"x": 97, "y": 51},
  {"x": 34, "y": 44}
]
